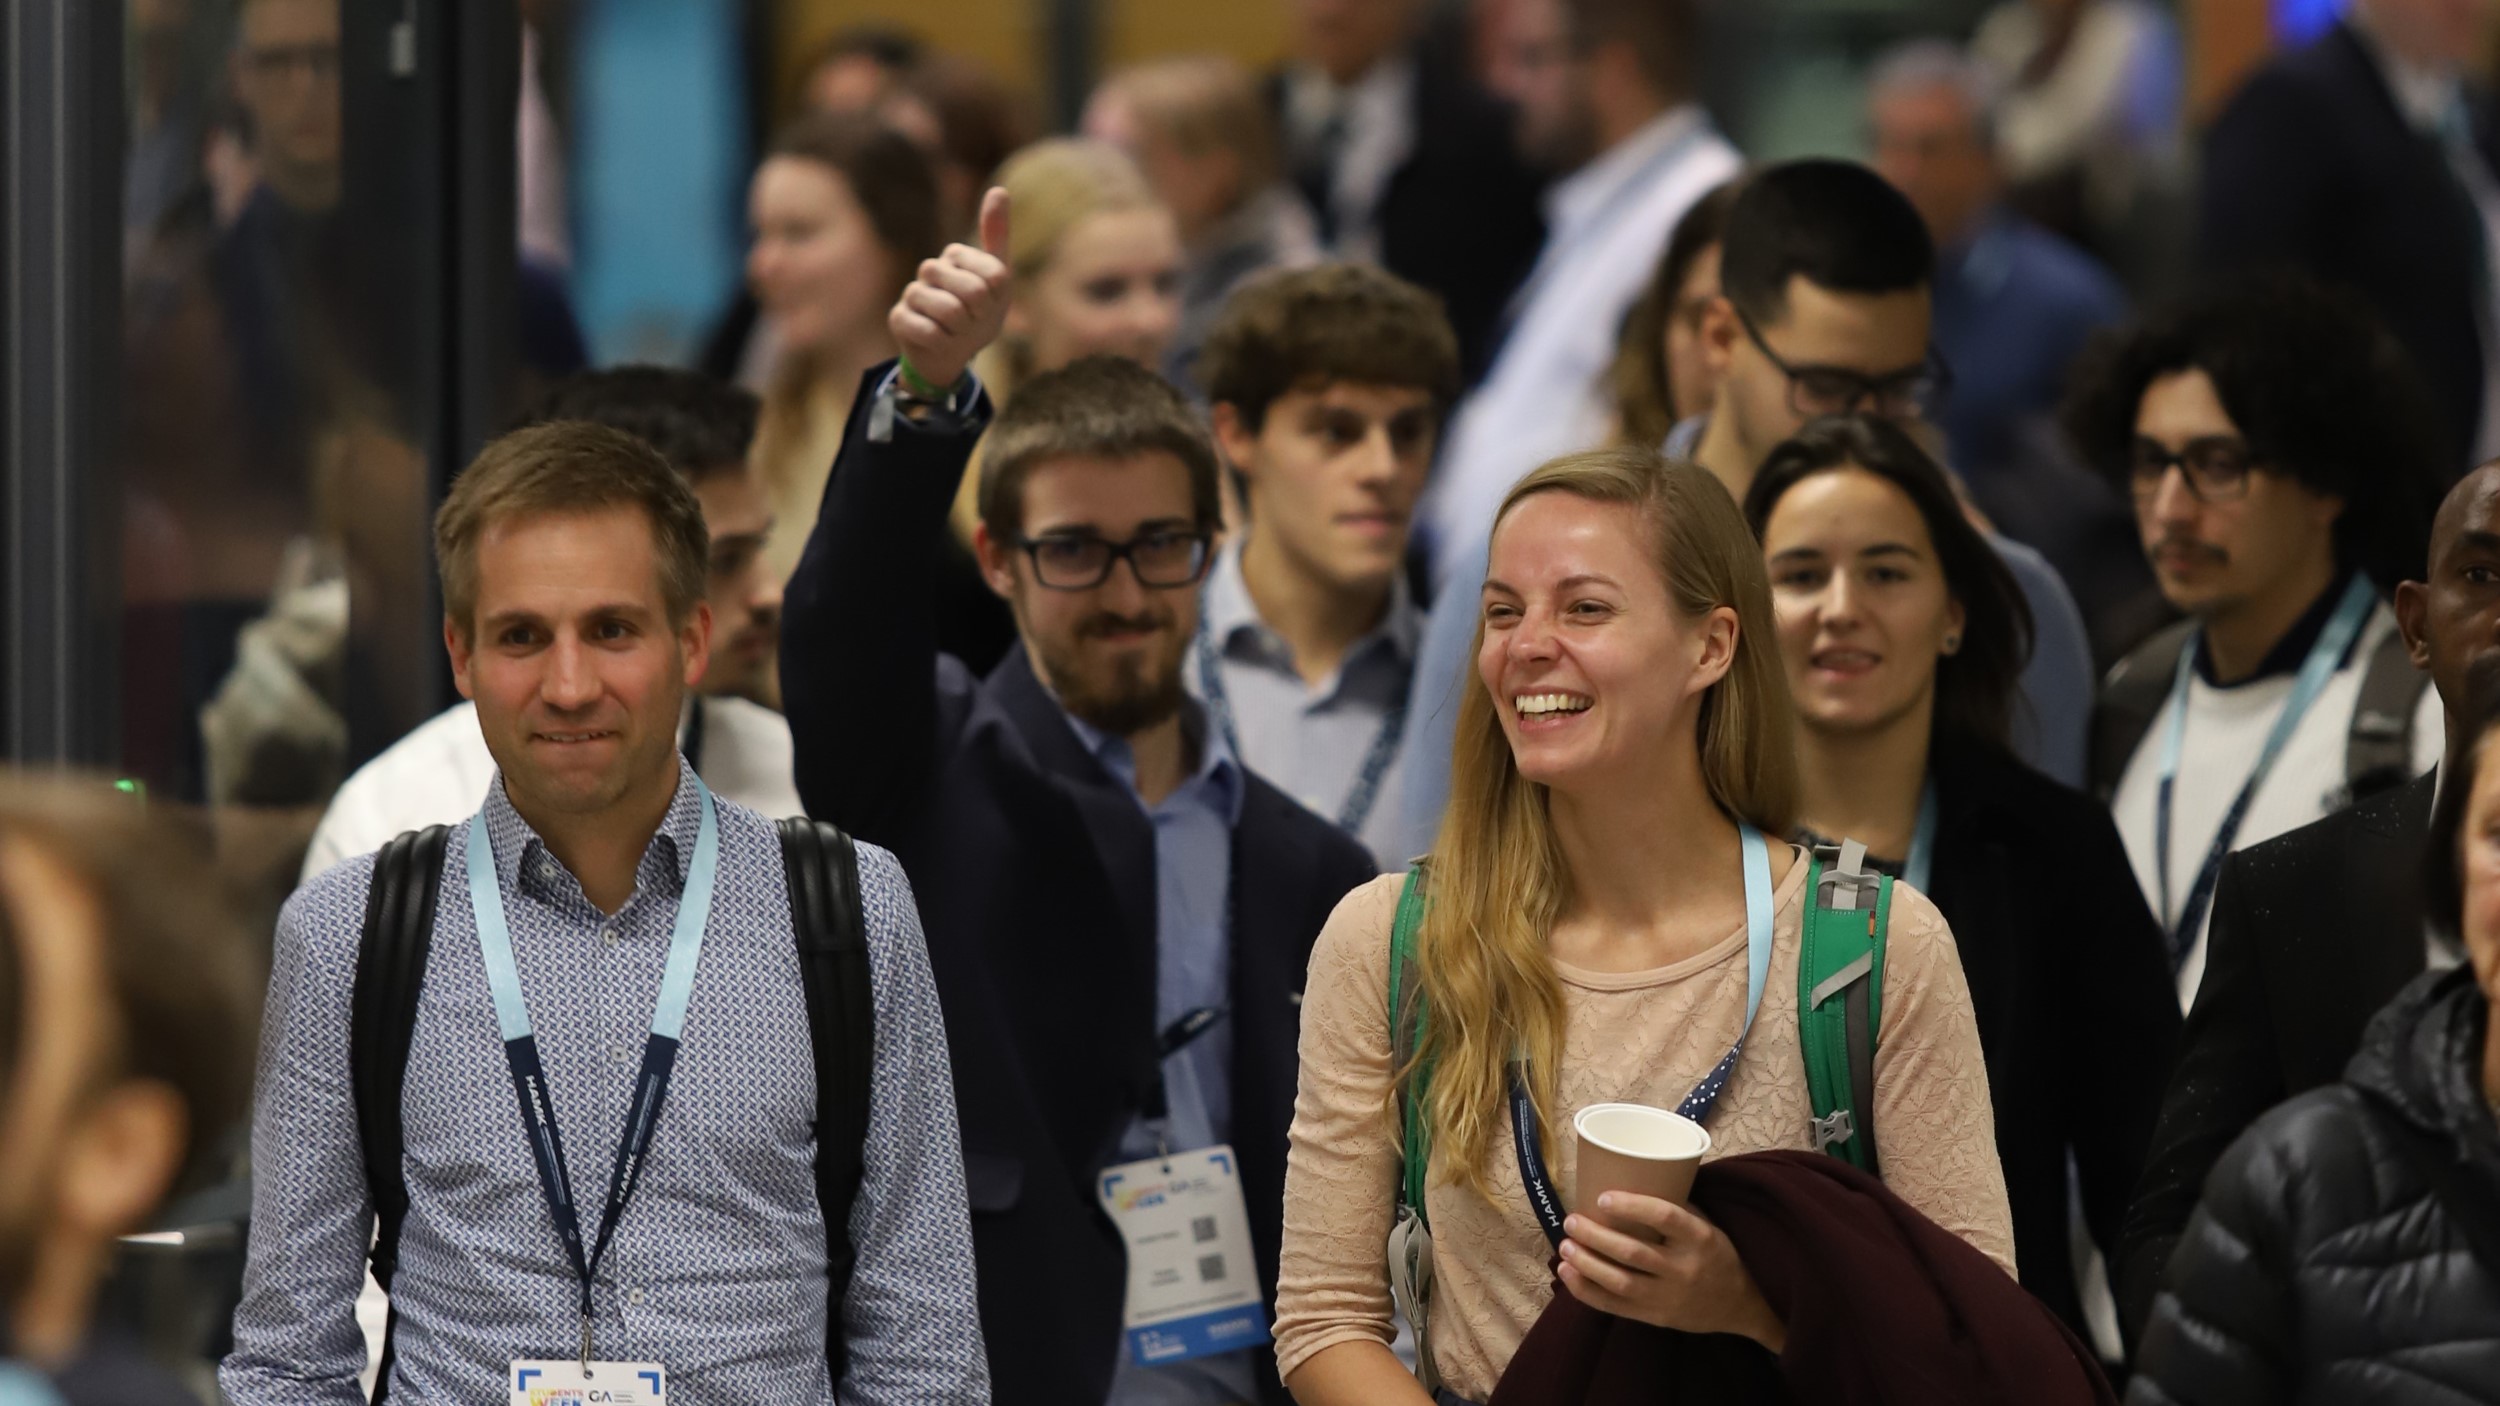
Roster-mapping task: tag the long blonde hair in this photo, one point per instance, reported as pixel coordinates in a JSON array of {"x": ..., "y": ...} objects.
[
  {"x": 1054, "y": 186},
  {"x": 1497, "y": 876}
]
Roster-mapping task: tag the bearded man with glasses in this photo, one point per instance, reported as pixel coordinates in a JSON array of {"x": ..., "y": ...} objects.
[
  {"x": 1119, "y": 914},
  {"x": 2277, "y": 448}
]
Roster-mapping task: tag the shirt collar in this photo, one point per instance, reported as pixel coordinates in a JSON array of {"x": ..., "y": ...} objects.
[
  {"x": 524, "y": 865},
  {"x": 1579, "y": 197},
  {"x": 1218, "y": 776},
  {"x": 1230, "y": 613},
  {"x": 2292, "y": 650}
]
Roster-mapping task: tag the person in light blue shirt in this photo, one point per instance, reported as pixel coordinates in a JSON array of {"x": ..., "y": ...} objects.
[
  {"x": 1328, "y": 388},
  {"x": 2014, "y": 304},
  {"x": 572, "y": 568}
]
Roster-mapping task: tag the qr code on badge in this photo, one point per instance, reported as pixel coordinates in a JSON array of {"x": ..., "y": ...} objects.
[
  {"x": 1202, "y": 1229},
  {"x": 1210, "y": 1268}
]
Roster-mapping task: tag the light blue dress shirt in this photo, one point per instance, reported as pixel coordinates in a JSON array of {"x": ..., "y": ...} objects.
[
  {"x": 1193, "y": 970},
  {"x": 718, "y": 1267}
]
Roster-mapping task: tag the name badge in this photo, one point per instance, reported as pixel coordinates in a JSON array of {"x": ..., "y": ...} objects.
[
  {"x": 1193, "y": 1288},
  {"x": 571, "y": 1383}
]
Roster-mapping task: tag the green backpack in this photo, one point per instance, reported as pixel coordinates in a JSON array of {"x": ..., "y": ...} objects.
[{"x": 1840, "y": 981}]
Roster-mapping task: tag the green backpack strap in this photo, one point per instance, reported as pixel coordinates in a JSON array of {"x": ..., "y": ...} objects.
[
  {"x": 1406, "y": 1030},
  {"x": 1840, "y": 985}
]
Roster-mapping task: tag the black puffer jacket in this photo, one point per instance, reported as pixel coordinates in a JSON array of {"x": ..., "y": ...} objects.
[{"x": 2321, "y": 1266}]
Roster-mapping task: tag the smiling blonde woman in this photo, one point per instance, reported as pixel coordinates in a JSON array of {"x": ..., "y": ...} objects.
[{"x": 1629, "y": 745}]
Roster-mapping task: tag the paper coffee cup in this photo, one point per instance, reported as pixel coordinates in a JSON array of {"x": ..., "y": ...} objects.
[{"x": 1633, "y": 1147}]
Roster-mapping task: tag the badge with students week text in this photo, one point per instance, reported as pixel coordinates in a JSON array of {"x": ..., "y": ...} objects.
[
  {"x": 1193, "y": 1288},
  {"x": 571, "y": 1382}
]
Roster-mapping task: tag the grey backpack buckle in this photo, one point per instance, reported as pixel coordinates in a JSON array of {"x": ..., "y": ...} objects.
[{"x": 1839, "y": 1127}]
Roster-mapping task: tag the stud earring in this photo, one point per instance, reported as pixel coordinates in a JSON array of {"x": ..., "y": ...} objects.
[{"x": 1953, "y": 644}]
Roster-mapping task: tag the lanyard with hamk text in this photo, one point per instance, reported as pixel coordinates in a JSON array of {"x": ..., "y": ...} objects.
[
  {"x": 1760, "y": 914},
  {"x": 2325, "y": 656},
  {"x": 659, "y": 1053}
]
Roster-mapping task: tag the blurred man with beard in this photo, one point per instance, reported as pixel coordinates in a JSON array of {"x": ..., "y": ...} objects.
[
  {"x": 127, "y": 1003},
  {"x": 1119, "y": 915}
]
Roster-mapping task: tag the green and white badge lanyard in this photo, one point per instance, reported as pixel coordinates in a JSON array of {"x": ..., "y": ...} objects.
[
  {"x": 2324, "y": 656},
  {"x": 659, "y": 1052}
]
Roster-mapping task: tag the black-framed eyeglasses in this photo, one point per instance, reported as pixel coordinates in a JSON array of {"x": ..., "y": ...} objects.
[
  {"x": 2216, "y": 467},
  {"x": 1816, "y": 391},
  {"x": 1163, "y": 558}
]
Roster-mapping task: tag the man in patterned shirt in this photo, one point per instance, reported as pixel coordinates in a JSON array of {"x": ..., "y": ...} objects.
[{"x": 572, "y": 565}]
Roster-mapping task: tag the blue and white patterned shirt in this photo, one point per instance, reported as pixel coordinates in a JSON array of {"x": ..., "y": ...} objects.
[{"x": 717, "y": 1269}]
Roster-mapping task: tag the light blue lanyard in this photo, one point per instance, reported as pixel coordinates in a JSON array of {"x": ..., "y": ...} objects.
[
  {"x": 20, "y": 1387},
  {"x": 659, "y": 1055},
  {"x": 1529, "y": 1143},
  {"x": 2324, "y": 656},
  {"x": 1921, "y": 865},
  {"x": 1758, "y": 942}
]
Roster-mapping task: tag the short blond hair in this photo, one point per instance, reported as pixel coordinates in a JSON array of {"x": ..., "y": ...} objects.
[{"x": 564, "y": 467}]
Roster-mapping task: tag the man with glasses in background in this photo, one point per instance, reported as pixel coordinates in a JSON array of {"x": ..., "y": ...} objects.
[
  {"x": 1824, "y": 310},
  {"x": 1119, "y": 914},
  {"x": 2283, "y": 465}
]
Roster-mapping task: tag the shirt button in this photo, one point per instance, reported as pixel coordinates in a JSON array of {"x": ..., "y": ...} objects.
[
  {"x": 634, "y": 1297},
  {"x": 609, "y": 934}
]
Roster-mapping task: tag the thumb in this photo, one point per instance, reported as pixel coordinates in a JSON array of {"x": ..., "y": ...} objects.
[{"x": 994, "y": 223}]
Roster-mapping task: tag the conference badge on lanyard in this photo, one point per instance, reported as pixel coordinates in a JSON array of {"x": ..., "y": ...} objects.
[
  {"x": 567, "y": 1382},
  {"x": 591, "y": 1380},
  {"x": 1193, "y": 1288}
]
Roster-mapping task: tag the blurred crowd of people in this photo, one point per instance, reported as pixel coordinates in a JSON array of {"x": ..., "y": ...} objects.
[{"x": 1201, "y": 688}]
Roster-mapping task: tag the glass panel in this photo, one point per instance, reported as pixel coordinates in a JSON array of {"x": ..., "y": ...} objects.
[{"x": 275, "y": 488}]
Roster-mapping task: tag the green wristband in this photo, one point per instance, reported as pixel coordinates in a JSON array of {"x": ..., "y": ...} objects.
[{"x": 919, "y": 385}]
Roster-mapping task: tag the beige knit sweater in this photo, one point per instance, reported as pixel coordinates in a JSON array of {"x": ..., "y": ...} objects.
[{"x": 1641, "y": 1037}]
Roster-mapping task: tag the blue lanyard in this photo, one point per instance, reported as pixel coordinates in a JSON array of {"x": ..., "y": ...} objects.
[
  {"x": 659, "y": 1053},
  {"x": 2324, "y": 656},
  {"x": 1377, "y": 758},
  {"x": 1698, "y": 1104},
  {"x": 1921, "y": 865},
  {"x": 21, "y": 1387}
]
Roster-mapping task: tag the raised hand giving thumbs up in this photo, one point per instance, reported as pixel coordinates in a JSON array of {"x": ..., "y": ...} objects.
[{"x": 957, "y": 303}]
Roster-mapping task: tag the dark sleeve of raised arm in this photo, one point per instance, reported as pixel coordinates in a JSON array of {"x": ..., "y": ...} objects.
[
  {"x": 2227, "y": 1076},
  {"x": 2124, "y": 1036},
  {"x": 859, "y": 656}
]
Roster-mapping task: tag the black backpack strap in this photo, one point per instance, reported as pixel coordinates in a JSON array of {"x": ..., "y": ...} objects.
[
  {"x": 390, "y": 973},
  {"x": 823, "y": 871},
  {"x": 2378, "y": 748},
  {"x": 2131, "y": 697}
]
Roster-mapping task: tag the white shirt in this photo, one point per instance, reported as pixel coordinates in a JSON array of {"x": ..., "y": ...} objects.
[
  {"x": 1377, "y": 111},
  {"x": 1544, "y": 394},
  {"x": 2226, "y": 729},
  {"x": 439, "y": 772}
]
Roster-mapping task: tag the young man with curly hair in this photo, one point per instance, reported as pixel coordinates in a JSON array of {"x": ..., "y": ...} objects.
[{"x": 2271, "y": 437}]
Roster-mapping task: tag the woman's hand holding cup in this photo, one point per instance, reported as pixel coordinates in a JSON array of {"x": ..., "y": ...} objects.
[{"x": 1690, "y": 1279}]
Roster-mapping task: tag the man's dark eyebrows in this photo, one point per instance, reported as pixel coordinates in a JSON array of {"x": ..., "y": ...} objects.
[
  {"x": 1889, "y": 549},
  {"x": 1086, "y": 531},
  {"x": 1800, "y": 554},
  {"x": 2476, "y": 539}
]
